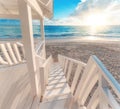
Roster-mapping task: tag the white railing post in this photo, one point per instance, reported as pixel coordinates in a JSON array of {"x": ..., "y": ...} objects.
[
  {"x": 22, "y": 48},
  {"x": 102, "y": 100},
  {"x": 42, "y": 29},
  {"x": 44, "y": 51},
  {"x": 7, "y": 57},
  {"x": 43, "y": 36},
  {"x": 27, "y": 33},
  {"x": 12, "y": 54}
]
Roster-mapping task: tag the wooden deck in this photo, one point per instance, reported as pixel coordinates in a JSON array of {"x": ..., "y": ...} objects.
[
  {"x": 16, "y": 91},
  {"x": 57, "y": 93}
]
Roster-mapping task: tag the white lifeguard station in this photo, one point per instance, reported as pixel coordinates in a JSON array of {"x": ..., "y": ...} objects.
[{"x": 30, "y": 81}]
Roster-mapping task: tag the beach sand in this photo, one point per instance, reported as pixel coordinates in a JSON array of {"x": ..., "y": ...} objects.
[{"x": 107, "y": 52}]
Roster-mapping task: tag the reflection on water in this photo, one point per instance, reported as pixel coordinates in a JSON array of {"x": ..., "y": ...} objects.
[{"x": 60, "y": 32}]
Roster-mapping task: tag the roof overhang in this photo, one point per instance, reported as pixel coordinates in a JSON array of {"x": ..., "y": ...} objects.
[
  {"x": 40, "y": 8},
  {"x": 47, "y": 7}
]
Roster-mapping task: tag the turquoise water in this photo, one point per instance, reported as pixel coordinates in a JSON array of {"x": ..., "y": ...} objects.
[{"x": 57, "y": 32}]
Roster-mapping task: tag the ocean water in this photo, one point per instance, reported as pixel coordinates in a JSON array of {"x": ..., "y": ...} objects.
[{"x": 61, "y": 32}]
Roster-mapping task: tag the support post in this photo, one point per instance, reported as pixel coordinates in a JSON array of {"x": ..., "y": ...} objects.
[
  {"x": 43, "y": 36},
  {"x": 42, "y": 29},
  {"x": 27, "y": 36}
]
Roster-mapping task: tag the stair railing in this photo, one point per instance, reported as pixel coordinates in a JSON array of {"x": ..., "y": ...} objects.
[
  {"x": 40, "y": 49},
  {"x": 95, "y": 87},
  {"x": 11, "y": 53},
  {"x": 44, "y": 72}
]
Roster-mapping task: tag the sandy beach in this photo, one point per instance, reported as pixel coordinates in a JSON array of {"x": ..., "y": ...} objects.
[{"x": 107, "y": 51}]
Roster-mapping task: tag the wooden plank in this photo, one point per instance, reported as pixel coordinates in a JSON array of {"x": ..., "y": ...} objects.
[
  {"x": 42, "y": 29},
  {"x": 73, "y": 60},
  {"x": 57, "y": 87},
  {"x": 63, "y": 62},
  {"x": 9, "y": 16},
  {"x": 44, "y": 70},
  {"x": 107, "y": 75},
  {"x": 87, "y": 80},
  {"x": 69, "y": 70},
  {"x": 22, "y": 48},
  {"x": 93, "y": 99},
  {"x": 89, "y": 69},
  {"x": 36, "y": 103},
  {"x": 57, "y": 92},
  {"x": 55, "y": 104},
  {"x": 111, "y": 99},
  {"x": 15, "y": 87},
  {"x": 76, "y": 77},
  {"x": 10, "y": 50},
  {"x": 47, "y": 66},
  {"x": 93, "y": 80},
  {"x": 66, "y": 66},
  {"x": 34, "y": 5},
  {"x": 42, "y": 79},
  {"x": 7, "y": 57},
  {"x": 61, "y": 80},
  {"x": 3, "y": 61},
  {"x": 28, "y": 41},
  {"x": 17, "y": 52}
]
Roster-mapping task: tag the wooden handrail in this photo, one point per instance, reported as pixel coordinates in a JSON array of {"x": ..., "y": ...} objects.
[
  {"x": 67, "y": 68},
  {"x": 39, "y": 46},
  {"x": 40, "y": 49},
  {"x": 44, "y": 71},
  {"x": 108, "y": 76},
  {"x": 71, "y": 59},
  {"x": 12, "y": 53},
  {"x": 94, "y": 73}
]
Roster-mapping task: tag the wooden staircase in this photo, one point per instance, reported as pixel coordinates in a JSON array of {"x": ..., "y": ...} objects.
[
  {"x": 76, "y": 85},
  {"x": 67, "y": 84},
  {"x": 57, "y": 93}
]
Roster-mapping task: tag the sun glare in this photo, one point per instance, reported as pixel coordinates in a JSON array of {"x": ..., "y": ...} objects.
[{"x": 96, "y": 20}]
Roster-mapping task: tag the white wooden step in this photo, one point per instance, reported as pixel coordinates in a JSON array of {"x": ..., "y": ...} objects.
[
  {"x": 55, "y": 104},
  {"x": 57, "y": 88}
]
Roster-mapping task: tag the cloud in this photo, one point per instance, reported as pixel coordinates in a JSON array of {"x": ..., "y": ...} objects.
[
  {"x": 83, "y": 0},
  {"x": 63, "y": 21},
  {"x": 111, "y": 8}
]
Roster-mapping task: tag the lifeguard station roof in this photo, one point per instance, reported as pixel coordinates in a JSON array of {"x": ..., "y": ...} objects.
[{"x": 10, "y": 8}]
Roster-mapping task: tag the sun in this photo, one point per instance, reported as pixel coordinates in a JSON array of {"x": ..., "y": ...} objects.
[{"x": 96, "y": 19}]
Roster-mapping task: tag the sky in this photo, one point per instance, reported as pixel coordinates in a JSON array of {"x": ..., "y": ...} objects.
[
  {"x": 83, "y": 12},
  {"x": 63, "y": 8}
]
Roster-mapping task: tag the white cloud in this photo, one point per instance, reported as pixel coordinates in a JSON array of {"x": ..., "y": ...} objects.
[
  {"x": 63, "y": 21},
  {"x": 111, "y": 8},
  {"x": 83, "y": 0}
]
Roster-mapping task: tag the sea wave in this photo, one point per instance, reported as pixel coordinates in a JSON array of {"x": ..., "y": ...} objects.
[{"x": 13, "y": 31}]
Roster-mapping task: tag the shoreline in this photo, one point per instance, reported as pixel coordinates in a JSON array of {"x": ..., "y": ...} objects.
[{"x": 64, "y": 40}]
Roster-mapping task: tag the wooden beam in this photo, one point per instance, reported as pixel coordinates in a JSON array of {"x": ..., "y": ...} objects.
[
  {"x": 7, "y": 57},
  {"x": 42, "y": 29},
  {"x": 16, "y": 16},
  {"x": 34, "y": 5},
  {"x": 9, "y": 16},
  {"x": 27, "y": 33}
]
